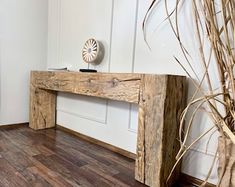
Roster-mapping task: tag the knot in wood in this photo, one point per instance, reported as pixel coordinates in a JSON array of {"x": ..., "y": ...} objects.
[
  {"x": 115, "y": 81},
  {"x": 89, "y": 80}
]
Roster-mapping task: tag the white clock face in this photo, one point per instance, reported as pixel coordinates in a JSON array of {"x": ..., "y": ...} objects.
[{"x": 90, "y": 51}]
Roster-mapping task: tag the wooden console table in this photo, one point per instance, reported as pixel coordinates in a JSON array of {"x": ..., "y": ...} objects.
[{"x": 161, "y": 99}]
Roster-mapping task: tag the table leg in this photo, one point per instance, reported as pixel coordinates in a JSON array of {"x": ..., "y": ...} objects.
[{"x": 42, "y": 108}]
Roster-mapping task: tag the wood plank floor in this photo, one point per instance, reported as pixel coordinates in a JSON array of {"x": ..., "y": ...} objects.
[{"x": 55, "y": 158}]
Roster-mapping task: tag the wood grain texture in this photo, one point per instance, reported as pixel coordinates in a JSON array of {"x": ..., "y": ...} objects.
[
  {"x": 42, "y": 107},
  {"x": 160, "y": 107},
  {"x": 115, "y": 86},
  {"x": 22, "y": 168},
  {"x": 140, "y": 147},
  {"x": 68, "y": 161},
  {"x": 161, "y": 99},
  {"x": 174, "y": 106}
]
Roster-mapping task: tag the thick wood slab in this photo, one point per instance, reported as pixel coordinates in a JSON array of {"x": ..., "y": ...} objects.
[
  {"x": 161, "y": 103},
  {"x": 122, "y": 87},
  {"x": 161, "y": 99}
]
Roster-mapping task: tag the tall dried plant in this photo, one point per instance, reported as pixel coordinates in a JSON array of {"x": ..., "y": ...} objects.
[{"x": 214, "y": 20}]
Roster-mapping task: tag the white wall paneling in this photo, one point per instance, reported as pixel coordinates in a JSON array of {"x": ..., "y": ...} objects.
[
  {"x": 89, "y": 108},
  {"x": 123, "y": 47},
  {"x": 71, "y": 23},
  {"x": 198, "y": 163},
  {"x": 123, "y": 34},
  {"x": 158, "y": 57}
]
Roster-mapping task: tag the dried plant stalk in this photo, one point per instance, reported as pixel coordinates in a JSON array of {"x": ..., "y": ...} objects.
[{"x": 215, "y": 21}]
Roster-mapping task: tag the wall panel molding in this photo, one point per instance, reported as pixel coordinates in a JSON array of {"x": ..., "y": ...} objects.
[
  {"x": 119, "y": 37},
  {"x": 59, "y": 56},
  {"x": 135, "y": 36},
  {"x": 87, "y": 116},
  {"x": 111, "y": 36}
]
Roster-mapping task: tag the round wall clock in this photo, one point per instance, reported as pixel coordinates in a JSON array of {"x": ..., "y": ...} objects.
[{"x": 93, "y": 51}]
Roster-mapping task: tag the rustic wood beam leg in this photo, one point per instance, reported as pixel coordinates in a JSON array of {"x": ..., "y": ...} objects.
[
  {"x": 161, "y": 103},
  {"x": 42, "y": 108}
]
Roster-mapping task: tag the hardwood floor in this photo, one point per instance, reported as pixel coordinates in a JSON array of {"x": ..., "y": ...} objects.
[{"x": 55, "y": 158}]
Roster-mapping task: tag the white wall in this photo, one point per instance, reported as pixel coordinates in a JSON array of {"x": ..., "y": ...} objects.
[
  {"x": 71, "y": 23},
  {"x": 23, "y": 47},
  {"x": 118, "y": 24}
]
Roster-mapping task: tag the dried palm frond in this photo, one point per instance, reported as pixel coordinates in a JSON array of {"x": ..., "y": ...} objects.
[{"x": 214, "y": 21}]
